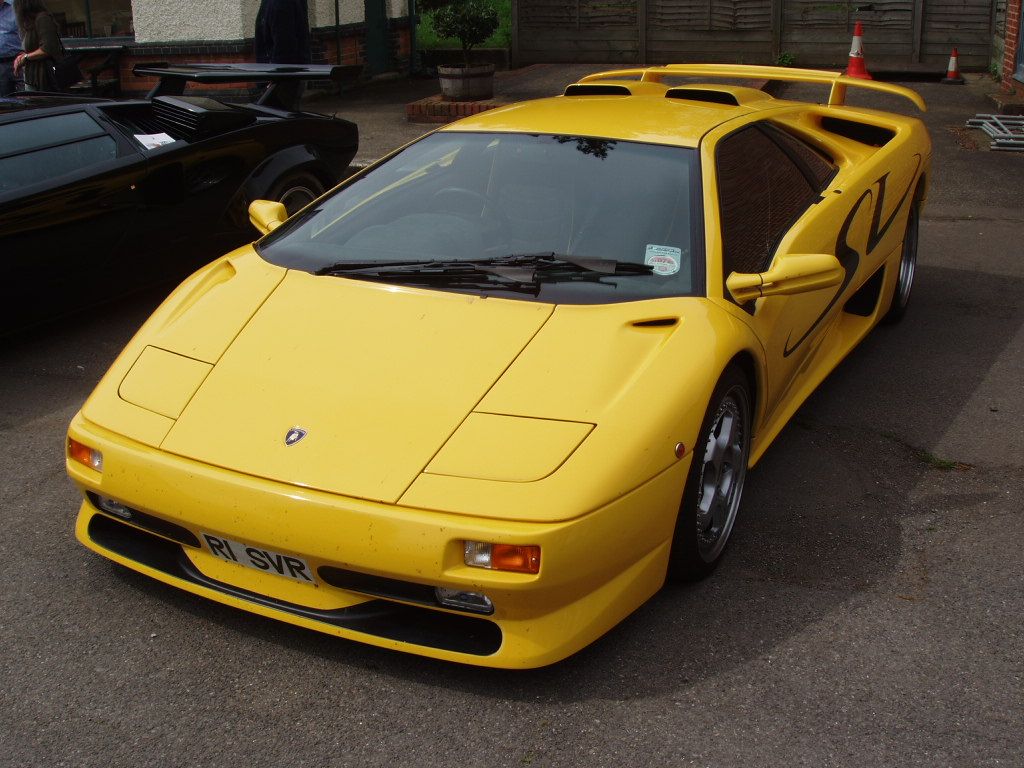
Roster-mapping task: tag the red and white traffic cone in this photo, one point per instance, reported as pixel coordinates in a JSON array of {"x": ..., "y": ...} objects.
[
  {"x": 855, "y": 67},
  {"x": 953, "y": 70}
]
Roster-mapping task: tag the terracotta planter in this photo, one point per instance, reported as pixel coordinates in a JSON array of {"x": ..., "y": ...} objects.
[{"x": 461, "y": 83}]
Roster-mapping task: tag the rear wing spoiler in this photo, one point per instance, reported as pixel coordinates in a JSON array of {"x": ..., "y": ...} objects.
[
  {"x": 838, "y": 82},
  {"x": 282, "y": 91}
]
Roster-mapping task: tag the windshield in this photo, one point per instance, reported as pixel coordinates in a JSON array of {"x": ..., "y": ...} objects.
[{"x": 581, "y": 220}]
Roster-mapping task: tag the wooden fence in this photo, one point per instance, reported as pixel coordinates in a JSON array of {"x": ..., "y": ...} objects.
[{"x": 907, "y": 35}]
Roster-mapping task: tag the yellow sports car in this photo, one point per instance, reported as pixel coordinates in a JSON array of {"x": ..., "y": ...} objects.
[{"x": 479, "y": 400}]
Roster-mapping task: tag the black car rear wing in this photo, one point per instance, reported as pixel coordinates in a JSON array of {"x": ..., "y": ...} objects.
[
  {"x": 838, "y": 82},
  {"x": 281, "y": 92}
]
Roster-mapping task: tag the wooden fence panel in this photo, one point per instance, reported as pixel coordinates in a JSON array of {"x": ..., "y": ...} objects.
[
  {"x": 577, "y": 30},
  {"x": 898, "y": 33}
]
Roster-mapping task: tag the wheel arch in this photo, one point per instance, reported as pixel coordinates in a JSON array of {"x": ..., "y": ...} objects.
[
  {"x": 747, "y": 362},
  {"x": 287, "y": 160},
  {"x": 261, "y": 180}
]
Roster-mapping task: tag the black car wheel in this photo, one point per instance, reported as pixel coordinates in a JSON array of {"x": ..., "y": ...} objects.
[
  {"x": 296, "y": 190},
  {"x": 907, "y": 268},
  {"x": 714, "y": 485}
]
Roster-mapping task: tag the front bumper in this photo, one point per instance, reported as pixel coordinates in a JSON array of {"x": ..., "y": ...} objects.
[{"x": 377, "y": 563}]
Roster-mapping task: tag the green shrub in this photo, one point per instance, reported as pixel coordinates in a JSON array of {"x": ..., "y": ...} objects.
[
  {"x": 471, "y": 22},
  {"x": 427, "y": 38}
]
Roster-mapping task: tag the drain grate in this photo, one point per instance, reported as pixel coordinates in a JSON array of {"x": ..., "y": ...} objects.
[{"x": 1006, "y": 131}]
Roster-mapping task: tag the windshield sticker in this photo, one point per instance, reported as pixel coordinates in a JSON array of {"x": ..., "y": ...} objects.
[{"x": 663, "y": 259}]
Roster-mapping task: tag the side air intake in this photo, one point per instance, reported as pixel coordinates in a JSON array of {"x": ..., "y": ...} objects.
[{"x": 597, "y": 90}]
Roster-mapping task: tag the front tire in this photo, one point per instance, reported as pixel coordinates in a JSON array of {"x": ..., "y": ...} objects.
[{"x": 714, "y": 484}]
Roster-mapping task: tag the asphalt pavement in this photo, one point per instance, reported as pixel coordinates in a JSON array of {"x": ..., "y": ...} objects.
[{"x": 868, "y": 612}]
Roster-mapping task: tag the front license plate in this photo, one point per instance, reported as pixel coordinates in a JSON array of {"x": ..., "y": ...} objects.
[{"x": 260, "y": 559}]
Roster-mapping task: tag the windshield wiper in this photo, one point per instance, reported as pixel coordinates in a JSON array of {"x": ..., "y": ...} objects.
[
  {"x": 549, "y": 261},
  {"x": 517, "y": 267},
  {"x": 416, "y": 266}
]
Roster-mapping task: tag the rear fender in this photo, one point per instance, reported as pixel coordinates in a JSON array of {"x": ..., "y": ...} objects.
[
  {"x": 258, "y": 185},
  {"x": 298, "y": 158}
]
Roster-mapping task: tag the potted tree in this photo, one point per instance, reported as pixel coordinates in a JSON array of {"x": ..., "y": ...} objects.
[{"x": 470, "y": 22}]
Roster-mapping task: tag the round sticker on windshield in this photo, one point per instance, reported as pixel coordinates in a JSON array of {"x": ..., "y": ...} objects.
[{"x": 663, "y": 259}]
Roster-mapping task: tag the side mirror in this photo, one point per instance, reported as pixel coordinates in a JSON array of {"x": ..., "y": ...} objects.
[
  {"x": 266, "y": 215},
  {"x": 791, "y": 273}
]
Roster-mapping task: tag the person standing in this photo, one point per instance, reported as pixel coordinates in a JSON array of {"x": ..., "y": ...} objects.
[
  {"x": 282, "y": 32},
  {"x": 10, "y": 47},
  {"x": 41, "y": 41}
]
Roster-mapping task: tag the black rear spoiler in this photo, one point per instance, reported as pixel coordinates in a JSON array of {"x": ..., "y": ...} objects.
[{"x": 282, "y": 91}]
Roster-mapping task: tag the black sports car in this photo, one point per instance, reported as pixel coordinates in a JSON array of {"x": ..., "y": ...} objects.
[{"x": 98, "y": 197}]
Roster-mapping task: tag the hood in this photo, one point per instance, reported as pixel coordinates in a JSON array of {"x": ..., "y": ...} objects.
[{"x": 376, "y": 376}]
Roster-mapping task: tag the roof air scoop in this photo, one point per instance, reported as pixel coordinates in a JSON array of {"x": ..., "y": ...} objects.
[
  {"x": 705, "y": 95},
  {"x": 597, "y": 89}
]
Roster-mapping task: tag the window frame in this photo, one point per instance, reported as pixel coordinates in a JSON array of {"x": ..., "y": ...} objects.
[
  {"x": 696, "y": 210},
  {"x": 767, "y": 128},
  {"x": 100, "y": 131},
  {"x": 123, "y": 154}
]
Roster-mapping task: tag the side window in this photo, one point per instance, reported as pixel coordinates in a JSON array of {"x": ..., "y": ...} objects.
[
  {"x": 44, "y": 148},
  {"x": 761, "y": 192}
]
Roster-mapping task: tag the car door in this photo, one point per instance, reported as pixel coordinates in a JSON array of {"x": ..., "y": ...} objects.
[
  {"x": 185, "y": 213},
  {"x": 767, "y": 183},
  {"x": 69, "y": 193}
]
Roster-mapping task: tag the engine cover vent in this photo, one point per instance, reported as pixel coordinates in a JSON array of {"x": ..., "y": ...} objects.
[{"x": 197, "y": 117}]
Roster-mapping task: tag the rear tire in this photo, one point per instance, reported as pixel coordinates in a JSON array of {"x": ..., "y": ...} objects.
[
  {"x": 714, "y": 484},
  {"x": 907, "y": 269},
  {"x": 296, "y": 189}
]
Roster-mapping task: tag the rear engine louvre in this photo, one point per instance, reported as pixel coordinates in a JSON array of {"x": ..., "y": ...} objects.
[{"x": 197, "y": 117}]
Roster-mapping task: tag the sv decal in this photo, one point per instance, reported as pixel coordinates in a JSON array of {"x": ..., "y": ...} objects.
[{"x": 848, "y": 256}]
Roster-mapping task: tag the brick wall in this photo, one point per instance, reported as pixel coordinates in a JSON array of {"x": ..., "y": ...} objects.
[{"x": 1010, "y": 47}]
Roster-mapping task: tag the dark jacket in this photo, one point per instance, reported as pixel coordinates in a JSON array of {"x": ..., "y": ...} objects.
[
  {"x": 282, "y": 32},
  {"x": 42, "y": 34}
]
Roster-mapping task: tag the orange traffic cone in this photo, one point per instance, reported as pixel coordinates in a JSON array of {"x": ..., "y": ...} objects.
[
  {"x": 855, "y": 67},
  {"x": 953, "y": 70}
]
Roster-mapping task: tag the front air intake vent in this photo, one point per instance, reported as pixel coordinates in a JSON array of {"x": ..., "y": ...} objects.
[
  {"x": 197, "y": 117},
  {"x": 587, "y": 89},
  {"x": 706, "y": 95},
  {"x": 657, "y": 322}
]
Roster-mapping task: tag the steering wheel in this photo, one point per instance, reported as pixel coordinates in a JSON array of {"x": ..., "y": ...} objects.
[{"x": 460, "y": 201}]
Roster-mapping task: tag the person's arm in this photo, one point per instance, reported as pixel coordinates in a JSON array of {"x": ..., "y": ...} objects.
[
  {"x": 49, "y": 36},
  {"x": 49, "y": 43}
]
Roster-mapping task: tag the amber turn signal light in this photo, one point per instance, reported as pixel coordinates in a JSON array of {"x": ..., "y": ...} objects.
[
  {"x": 520, "y": 558},
  {"x": 83, "y": 454}
]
